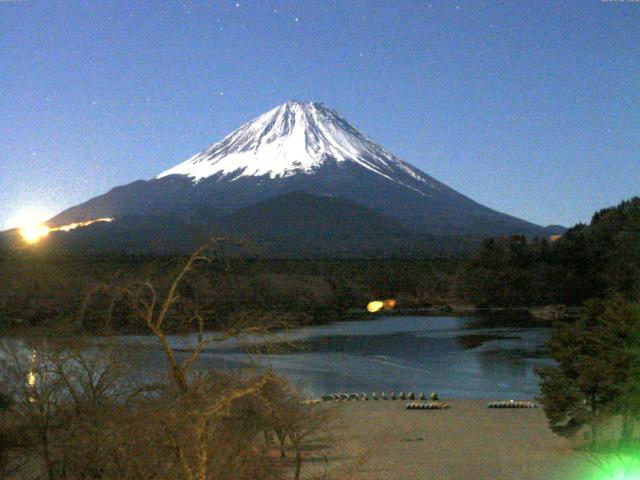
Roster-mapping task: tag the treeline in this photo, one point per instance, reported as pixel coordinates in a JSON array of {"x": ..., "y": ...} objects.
[
  {"x": 595, "y": 383},
  {"x": 588, "y": 261},
  {"x": 40, "y": 288}
]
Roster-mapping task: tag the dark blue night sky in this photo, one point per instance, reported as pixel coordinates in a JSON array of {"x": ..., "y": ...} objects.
[{"x": 529, "y": 107}]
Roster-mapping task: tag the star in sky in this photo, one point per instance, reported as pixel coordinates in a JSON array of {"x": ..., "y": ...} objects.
[{"x": 123, "y": 97}]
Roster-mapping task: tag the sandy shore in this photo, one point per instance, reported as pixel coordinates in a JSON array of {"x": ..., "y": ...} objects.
[{"x": 383, "y": 440}]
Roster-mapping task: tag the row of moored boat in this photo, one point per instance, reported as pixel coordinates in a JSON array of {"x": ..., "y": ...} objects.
[
  {"x": 427, "y": 406},
  {"x": 374, "y": 396},
  {"x": 513, "y": 404}
]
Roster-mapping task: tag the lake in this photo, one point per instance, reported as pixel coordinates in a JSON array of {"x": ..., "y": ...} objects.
[{"x": 454, "y": 356}]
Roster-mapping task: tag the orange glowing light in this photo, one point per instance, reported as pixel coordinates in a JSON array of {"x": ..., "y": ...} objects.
[
  {"x": 375, "y": 306},
  {"x": 389, "y": 304}
]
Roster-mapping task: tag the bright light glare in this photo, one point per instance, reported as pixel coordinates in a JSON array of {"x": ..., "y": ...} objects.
[
  {"x": 34, "y": 233},
  {"x": 375, "y": 306},
  {"x": 619, "y": 467},
  {"x": 30, "y": 223},
  {"x": 31, "y": 376},
  {"x": 27, "y": 216},
  {"x": 621, "y": 475}
]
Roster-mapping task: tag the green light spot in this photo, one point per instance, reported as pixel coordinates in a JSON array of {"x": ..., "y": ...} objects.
[{"x": 618, "y": 467}]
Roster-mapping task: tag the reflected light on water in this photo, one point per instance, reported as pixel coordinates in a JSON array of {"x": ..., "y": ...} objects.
[{"x": 31, "y": 376}]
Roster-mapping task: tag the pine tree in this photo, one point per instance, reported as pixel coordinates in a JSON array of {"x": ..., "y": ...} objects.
[{"x": 598, "y": 360}]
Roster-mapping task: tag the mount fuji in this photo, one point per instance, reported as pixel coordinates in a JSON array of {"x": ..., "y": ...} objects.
[{"x": 300, "y": 147}]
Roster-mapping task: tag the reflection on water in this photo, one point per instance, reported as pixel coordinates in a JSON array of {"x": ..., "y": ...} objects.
[
  {"x": 457, "y": 357},
  {"x": 405, "y": 353}
]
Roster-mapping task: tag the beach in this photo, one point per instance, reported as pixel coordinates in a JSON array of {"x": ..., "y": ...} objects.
[{"x": 383, "y": 440}]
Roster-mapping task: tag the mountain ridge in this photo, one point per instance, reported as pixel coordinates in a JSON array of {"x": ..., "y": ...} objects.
[
  {"x": 304, "y": 147},
  {"x": 292, "y": 225}
]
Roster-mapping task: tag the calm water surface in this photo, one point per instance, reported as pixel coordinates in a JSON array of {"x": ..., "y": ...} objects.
[{"x": 457, "y": 357}]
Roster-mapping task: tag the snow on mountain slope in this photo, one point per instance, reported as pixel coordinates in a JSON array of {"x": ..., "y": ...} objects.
[
  {"x": 300, "y": 147},
  {"x": 293, "y": 138}
]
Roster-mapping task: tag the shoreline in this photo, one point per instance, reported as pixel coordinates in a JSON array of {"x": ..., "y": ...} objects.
[
  {"x": 540, "y": 316},
  {"x": 382, "y": 440}
]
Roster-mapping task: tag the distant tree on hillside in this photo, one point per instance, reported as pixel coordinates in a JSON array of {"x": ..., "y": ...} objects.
[
  {"x": 508, "y": 272},
  {"x": 614, "y": 239},
  {"x": 589, "y": 261}
]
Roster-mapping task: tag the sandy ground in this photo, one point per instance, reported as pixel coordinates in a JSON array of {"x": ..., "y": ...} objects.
[{"x": 383, "y": 440}]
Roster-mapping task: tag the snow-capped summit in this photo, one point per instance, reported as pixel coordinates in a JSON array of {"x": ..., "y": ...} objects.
[
  {"x": 295, "y": 137},
  {"x": 299, "y": 147}
]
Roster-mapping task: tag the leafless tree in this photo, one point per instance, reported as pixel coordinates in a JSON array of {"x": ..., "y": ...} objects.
[
  {"x": 87, "y": 418},
  {"x": 201, "y": 408}
]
